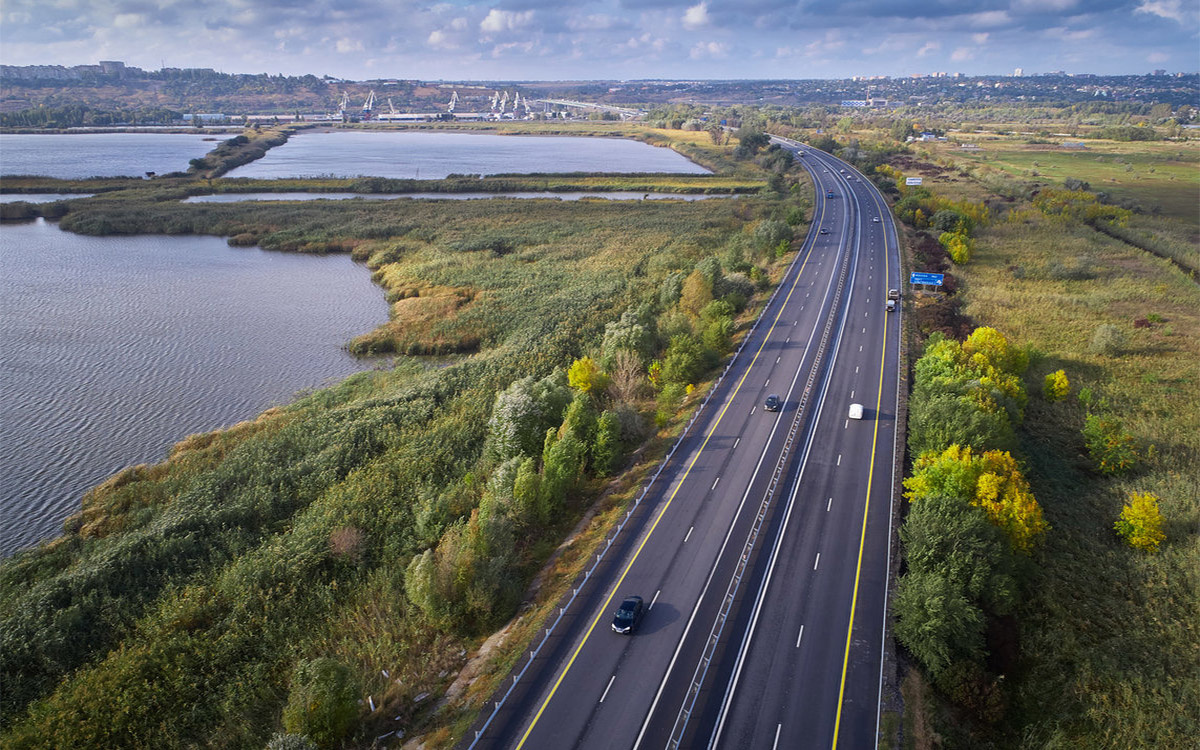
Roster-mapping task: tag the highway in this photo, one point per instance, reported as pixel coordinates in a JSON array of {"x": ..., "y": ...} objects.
[{"x": 762, "y": 548}]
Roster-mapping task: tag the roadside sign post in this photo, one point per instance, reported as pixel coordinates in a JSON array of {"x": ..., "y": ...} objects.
[{"x": 920, "y": 278}]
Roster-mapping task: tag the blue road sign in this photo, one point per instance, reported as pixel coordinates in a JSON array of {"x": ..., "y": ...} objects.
[{"x": 918, "y": 277}]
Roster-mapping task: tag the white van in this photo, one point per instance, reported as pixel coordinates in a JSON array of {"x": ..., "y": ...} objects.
[
  {"x": 891, "y": 305},
  {"x": 856, "y": 411}
]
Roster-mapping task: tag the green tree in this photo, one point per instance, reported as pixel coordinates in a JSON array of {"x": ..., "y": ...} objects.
[
  {"x": 685, "y": 360},
  {"x": 955, "y": 539},
  {"x": 607, "y": 449},
  {"x": 528, "y": 495},
  {"x": 669, "y": 399},
  {"x": 936, "y": 621},
  {"x": 322, "y": 702},
  {"x": 771, "y": 232},
  {"x": 1141, "y": 522},
  {"x": 939, "y": 419},
  {"x": 562, "y": 466},
  {"x": 522, "y": 413}
]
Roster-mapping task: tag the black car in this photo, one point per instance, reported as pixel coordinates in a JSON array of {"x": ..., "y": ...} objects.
[
  {"x": 824, "y": 230},
  {"x": 626, "y": 619},
  {"x": 773, "y": 403}
]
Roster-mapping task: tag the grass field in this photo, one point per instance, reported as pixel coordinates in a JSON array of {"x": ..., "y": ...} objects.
[
  {"x": 1110, "y": 638},
  {"x": 180, "y": 603},
  {"x": 1162, "y": 175}
]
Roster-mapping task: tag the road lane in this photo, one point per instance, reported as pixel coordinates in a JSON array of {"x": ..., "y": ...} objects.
[{"x": 589, "y": 687}]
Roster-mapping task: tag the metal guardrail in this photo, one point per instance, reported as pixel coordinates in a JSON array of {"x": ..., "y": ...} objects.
[
  {"x": 693, "y": 692},
  {"x": 562, "y": 610}
]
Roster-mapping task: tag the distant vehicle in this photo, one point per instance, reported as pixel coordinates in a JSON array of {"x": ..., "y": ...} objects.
[
  {"x": 773, "y": 402},
  {"x": 893, "y": 294},
  {"x": 829, "y": 194},
  {"x": 843, "y": 171},
  {"x": 856, "y": 411},
  {"x": 875, "y": 219},
  {"x": 626, "y": 619},
  {"x": 824, "y": 230},
  {"x": 891, "y": 305}
]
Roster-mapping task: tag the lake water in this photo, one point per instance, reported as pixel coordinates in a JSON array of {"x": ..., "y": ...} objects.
[
  {"x": 617, "y": 195},
  {"x": 83, "y": 155},
  {"x": 433, "y": 156},
  {"x": 114, "y": 348},
  {"x": 41, "y": 197}
]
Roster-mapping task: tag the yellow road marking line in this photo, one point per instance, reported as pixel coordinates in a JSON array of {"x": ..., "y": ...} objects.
[
  {"x": 607, "y": 602},
  {"x": 866, "y": 507}
]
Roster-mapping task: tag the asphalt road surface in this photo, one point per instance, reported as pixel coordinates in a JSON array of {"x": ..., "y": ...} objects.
[{"x": 762, "y": 549}]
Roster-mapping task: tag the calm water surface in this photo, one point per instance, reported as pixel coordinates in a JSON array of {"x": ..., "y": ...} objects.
[
  {"x": 112, "y": 349},
  {"x": 436, "y": 155},
  {"x": 83, "y": 155}
]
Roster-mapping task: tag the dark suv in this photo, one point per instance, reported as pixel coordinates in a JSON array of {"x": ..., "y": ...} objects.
[
  {"x": 773, "y": 403},
  {"x": 626, "y": 619}
]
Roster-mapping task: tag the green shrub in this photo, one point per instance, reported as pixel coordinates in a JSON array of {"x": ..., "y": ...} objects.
[
  {"x": 283, "y": 741},
  {"x": 1112, "y": 449},
  {"x": 1107, "y": 340},
  {"x": 322, "y": 702}
]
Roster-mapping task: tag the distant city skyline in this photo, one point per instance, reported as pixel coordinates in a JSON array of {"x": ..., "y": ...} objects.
[{"x": 611, "y": 39}]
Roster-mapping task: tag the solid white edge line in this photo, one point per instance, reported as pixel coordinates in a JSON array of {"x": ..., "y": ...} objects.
[{"x": 731, "y": 687}]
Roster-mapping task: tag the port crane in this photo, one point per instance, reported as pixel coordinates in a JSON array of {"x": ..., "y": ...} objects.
[
  {"x": 453, "y": 102},
  {"x": 369, "y": 104}
]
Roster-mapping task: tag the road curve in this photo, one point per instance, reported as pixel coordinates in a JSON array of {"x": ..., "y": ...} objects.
[{"x": 724, "y": 547}]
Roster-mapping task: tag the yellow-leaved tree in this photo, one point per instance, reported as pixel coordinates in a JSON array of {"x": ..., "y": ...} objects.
[
  {"x": 991, "y": 480},
  {"x": 1141, "y": 522},
  {"x": 584, "y": 375},
  {"x": 1056, "y": 387}
]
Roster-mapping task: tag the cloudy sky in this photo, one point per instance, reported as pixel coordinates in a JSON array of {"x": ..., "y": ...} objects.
[{"x": 608, "y": 39}]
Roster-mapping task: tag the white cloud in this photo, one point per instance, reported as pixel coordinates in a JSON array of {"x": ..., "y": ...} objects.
[
  {"x": 962, "y": 54},
  {"x": 594, "y": 22},
  {"x": 696, "y": 17},
  {"x": 509, "y": 48},
  {"x": 459, "y": 24},
  {"x": 440, "y": 39},
  {"x": 1157, "y": 57},
  {"x": 349, "y": 45},
  {"x": 128, "y": 20},
  {"x": 831, "y": 41},
  {"x": 927, "y": 48},
  {"x": 1044, "y": 5},
  {"x": 709, "y": 49},
  {"x": 980, "y": 38},
  {"x": 1170, "y": 9},
  {"x": 505, "y": 20},
  {"x": 988, "y": 19}
]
